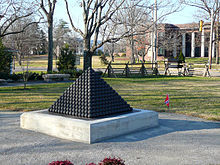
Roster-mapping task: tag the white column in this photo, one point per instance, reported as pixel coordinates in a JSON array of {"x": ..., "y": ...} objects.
[
  {"x": 174, "y": 47},
  {"x": 203, "y": 43},
  {"x": 184, "y": 44},
  {"x": 213, "y": 46},
  {"x": 155, "y": 30},
  {"x": 193, "y": 45}
]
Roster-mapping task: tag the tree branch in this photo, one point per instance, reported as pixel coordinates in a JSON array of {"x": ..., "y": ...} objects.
[{"x": 71, "y": 21}]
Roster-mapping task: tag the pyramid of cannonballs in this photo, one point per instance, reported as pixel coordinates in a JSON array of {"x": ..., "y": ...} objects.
[{"x": 90, "y": 97}]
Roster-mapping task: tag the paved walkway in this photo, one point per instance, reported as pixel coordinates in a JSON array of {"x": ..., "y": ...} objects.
[
  {"x": 31, "y": 83},
  {"x": 178, "y": 140}
]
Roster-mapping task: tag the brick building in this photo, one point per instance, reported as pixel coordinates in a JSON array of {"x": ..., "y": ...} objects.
[{"x": 176, "y": 38}]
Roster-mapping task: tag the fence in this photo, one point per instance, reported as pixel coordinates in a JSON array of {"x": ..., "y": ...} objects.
[
  {"x": 144, "y": 69},
  {"x": 126, "y": 69}
]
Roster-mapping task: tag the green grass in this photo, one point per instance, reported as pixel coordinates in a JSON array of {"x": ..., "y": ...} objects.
[
  {"x": 35, "y": 63},
  {"x": 198, "y": 60},
  {"x": 40, "y": 61},
  {"x": 188, "y": 95},
  {"x": 33, "y": 98}
]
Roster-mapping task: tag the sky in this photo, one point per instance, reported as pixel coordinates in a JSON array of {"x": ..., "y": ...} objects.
[{"x": 181, "y": 17}]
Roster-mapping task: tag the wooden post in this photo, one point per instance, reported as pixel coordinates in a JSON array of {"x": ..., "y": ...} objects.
[
  {"x": 126, "y": 70},
  {"x": 166, "y": 67},
  {"x": 109, "y": 70},
  {"x": 155, "y": 69},
  {"x": 206, "y": 71},
  {"x": 143, "y": 69}
]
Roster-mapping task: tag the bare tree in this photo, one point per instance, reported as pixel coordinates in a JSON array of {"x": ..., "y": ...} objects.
[
  {"x": 61, "y": 33},
  {"x": 96, "y": 15},
  {"x": 135, "y": 16},
  {"x": 12, "y": 11},
  {"x": 24, "y": 43},
  {"x": 48, "y": 7},
  {"x": 139, "y": 20},
  {"x": 140, "y": 46},
  {"x": 211, "y": 9},
  {"x": 169, "y": 39}
]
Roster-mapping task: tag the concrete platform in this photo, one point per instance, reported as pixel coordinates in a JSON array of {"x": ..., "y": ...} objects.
[{"x": 88, "y": 130}]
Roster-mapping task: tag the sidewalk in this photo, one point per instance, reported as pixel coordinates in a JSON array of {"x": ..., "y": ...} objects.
[
  {"x": 178, "y": 140},
  {"x": 32, "y": 83}
]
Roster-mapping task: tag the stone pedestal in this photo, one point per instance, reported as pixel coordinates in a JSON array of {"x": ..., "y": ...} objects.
[{"x": 88, "y": 130}]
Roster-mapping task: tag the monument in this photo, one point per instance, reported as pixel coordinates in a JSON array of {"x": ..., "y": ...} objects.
[
  {"x": 90, "y": 97},
  {"x": 89, "y": 111}
]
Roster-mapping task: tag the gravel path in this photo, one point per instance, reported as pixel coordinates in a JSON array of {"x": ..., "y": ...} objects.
[{"x": 178, "y": 140}]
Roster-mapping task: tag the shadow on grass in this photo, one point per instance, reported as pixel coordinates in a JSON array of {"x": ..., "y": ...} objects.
[{"x": 33, "y": 102}]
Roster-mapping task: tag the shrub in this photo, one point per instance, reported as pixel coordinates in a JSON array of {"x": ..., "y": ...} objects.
[
  {"x": 66, "y": 60},
  {"x": 112, "y": 161},
  {"x": 73, "y": 73},
  {"x": 16, "y": 77},
  {"x": 6, "y": 59},
  {"x": 35, "y": 76},
  {"x": 66, "y": 162},
  {"x": 19, "y": 76},
  {"x": 4, "y": 75}
]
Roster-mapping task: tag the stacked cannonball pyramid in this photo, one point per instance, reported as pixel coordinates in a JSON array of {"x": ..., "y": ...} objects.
[{"x": 90, "y": 97}]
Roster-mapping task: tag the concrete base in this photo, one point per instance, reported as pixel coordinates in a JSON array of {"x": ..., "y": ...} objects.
[{"x": 88, "y": 131}]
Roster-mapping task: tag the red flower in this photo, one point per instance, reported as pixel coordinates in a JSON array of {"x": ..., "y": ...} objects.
[{"x": 66, "y": 162}]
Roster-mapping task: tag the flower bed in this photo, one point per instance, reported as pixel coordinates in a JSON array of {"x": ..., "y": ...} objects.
[{"x": 106, "y": 161}]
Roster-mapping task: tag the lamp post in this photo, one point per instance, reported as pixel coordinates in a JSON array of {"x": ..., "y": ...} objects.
[
  {"x": 155, "y": 31},
  {"x": 211, "y": 38}
]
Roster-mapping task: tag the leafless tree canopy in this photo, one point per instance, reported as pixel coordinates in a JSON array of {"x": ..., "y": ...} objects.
[
  {"x": 96, "y": 15},
  {"x": 12, "y": 11},
  {"x": 204, "y": 5}
]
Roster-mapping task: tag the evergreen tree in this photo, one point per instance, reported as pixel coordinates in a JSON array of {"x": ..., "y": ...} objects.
[
  {"x": 66, "y": 59},
  {"x": 6, "y": 59},
  {"x": 181, "y": 57}
]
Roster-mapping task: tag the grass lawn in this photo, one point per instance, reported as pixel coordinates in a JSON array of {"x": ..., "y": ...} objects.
[
  {"x": 194, "y": 96},
  {"x": 40, "y": 61},
  {"x": 35, "y": 63}
]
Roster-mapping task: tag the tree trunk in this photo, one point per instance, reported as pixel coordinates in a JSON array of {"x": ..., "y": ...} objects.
[
  {"x": 87, "y": 55},
  {"x": 50, "y": 47},
  {"x": 143, "y": 60},
  {"x": 87, "y": 60},
  {"x": 217, "y": 45},
  {"x": 211, "y": 41},
  {"x": 132, "y": 59},
  {"x": 112, "y": 52}
]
